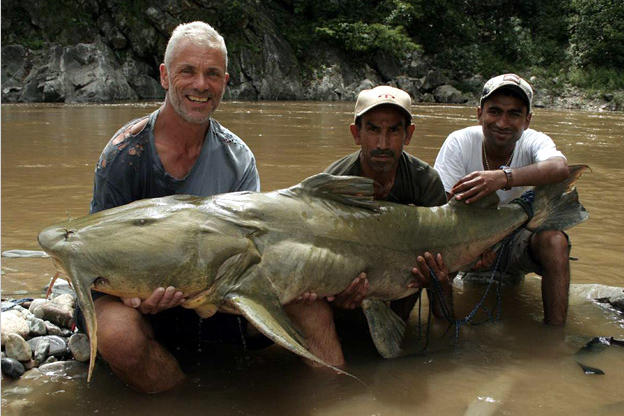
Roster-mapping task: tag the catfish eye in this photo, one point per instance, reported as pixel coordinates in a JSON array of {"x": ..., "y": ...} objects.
[{"x": 68, "y": 233}]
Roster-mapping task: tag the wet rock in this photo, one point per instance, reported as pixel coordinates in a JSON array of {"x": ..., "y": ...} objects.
[
  {"x": 79, "y": 347},
  {"x": 51, "y": 359},
  {"x": 13, "y": 322},
  {"x": 37, "y": 326},
  {"x": 64, "y": 368},
  {"x": 53, "y": 312},
  {"x": 52, "y": 329},
  {"x": 58, "y": 345},
  {"x": 41, "y": 350},
  {"x": 12, "y": 368},
  {"x": 16, "y": 347}
]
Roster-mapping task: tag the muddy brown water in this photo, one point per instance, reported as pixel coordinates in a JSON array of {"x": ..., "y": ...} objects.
[{"x": 513, "y": 366}]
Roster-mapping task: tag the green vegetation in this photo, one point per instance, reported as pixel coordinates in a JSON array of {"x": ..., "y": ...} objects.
[{"x": 580, "y": 42}]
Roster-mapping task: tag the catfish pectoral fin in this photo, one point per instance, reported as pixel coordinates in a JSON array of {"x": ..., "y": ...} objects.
[
  {"x": 386, "y": 328},
  {"x": 265, "y": 312}
]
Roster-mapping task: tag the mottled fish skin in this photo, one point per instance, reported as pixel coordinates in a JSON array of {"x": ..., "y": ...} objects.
[{"x": 253, "y": 252}]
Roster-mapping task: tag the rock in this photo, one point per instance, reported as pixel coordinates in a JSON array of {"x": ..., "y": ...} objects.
[
  {"x": 61, "y": 286},
  {"x": 65, "y": 300},
  {"x": 433, "y": 80},
  {"x": 37, "y": 326},
  {"x": 281, "y": 80},
  {"x": 16, "y": 347},
  {"x": 55, "y": 313},
  {"x": 449, "y": 94},
  {"x": 13, "y": 322},
  {"x": 50, "y": 359},
  {"x": 387, "y": 64},
  {"x": 12, "y": 368},
  {"x": 30, "y": 364},
  {"x": 58, "y": 345},
  {"x": 41, "y": 350},
  {"x": 52, "y": 329},
  {"x": 79, "y": 347}
]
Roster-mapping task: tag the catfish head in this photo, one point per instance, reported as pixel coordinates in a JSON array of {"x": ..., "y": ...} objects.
[{"x": 130, "y": 250}]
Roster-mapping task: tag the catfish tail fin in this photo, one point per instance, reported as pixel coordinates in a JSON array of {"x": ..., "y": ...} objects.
[{"x": 556, "y": 206}]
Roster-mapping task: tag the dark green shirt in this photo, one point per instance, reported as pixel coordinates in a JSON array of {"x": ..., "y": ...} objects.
[{"x": 415, "y": 183}]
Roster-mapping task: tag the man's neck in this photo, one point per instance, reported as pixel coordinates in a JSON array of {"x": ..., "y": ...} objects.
[
  {"x": 177, "y": 131},
  {"x": 178, "y": 142},
  {"x": 384, "y": 180}
]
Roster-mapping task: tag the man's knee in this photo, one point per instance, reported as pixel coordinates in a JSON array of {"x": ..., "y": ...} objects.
[
  {"x": 122, "y": 331},
  {"x": 550, "y": 244}
]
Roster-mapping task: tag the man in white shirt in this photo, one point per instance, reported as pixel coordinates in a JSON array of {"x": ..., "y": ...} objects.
[{"x": 503, "y": 155}]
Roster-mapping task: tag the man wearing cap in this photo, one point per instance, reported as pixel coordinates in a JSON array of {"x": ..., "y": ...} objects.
[
  {"x": 382, "y": 126},
  {"x": 503, "y": 155}
]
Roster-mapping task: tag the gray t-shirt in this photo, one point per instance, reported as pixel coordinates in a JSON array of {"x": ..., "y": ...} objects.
[{"x": 130, "y": 169}]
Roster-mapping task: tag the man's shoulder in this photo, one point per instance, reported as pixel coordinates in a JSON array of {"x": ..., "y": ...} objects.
[
  {"x": 346, "y": 165},
  {"x": 226, "y": 137},
  {"x": 417, "y": 168},
  {"x": 127, "y": 146},
  {"x": 467, "y": 133}
]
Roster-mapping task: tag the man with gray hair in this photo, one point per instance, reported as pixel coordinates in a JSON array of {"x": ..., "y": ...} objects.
[{"x": 177, "y": 149}]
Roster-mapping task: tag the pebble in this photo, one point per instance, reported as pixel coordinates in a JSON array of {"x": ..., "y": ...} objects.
[
  {"x": 41, "y": 350},
  {"x": 55, "y": 313},
  {"x": 50, "y": 359},
  {"x": 58, "y": 345},
  {"x": 37, "y": 326},
  {"x": 13, "y": 322},
  {"x": 65, "y": 300},
  {"x": 16, "y": 347},
  {"x": 79, "y": 347},
  {"x": 12, "y": 368},
  {"x": 52, "y": 329},
  {"x": 40, "y": 335}
]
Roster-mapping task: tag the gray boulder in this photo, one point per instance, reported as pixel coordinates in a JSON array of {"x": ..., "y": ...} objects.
[{"x": 449, "y": 94}]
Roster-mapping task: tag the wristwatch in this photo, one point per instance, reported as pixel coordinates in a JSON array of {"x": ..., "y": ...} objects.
[{"x": 507, "y": 171}]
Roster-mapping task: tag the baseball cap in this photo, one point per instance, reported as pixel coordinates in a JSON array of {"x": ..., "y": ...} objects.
[
  {"x": 383, "y": 94},
  {"x": 512, "y": 81}
]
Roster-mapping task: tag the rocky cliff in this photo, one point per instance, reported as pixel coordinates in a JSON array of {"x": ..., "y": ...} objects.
[{"x": 110, "y": 50}]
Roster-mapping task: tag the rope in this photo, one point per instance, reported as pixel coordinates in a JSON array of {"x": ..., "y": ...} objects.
[{"x": 468, "y": 319}]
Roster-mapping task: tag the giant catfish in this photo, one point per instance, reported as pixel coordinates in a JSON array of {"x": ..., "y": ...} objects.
[{"x": 251, "y": 253}]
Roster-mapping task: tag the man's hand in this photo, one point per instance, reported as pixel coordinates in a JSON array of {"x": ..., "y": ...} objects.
[
  {"x": 428, "y": 263},
  {"x": 479, "y": 184},
  {"x": 158, "y": 301},
  {"x": 350, "y": 298},
  {"x": 353, "y": 295}
]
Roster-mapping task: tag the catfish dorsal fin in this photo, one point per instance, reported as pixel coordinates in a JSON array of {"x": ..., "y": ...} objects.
[
  {"x": 490, "y": 201},
  {"x": 350, "y": 190}
]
